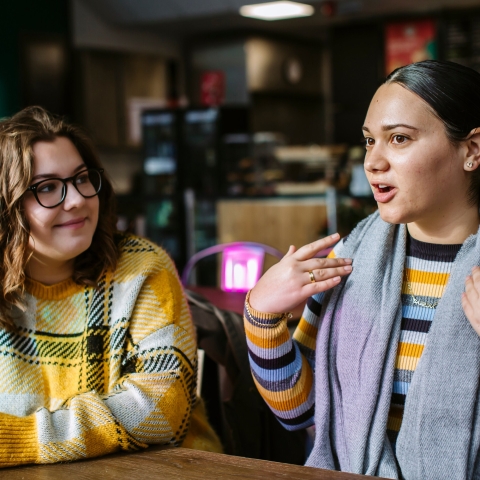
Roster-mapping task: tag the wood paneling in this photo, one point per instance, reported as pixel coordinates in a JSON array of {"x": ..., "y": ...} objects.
[
  {"x": 278, "y": 223},
  {"x": 145, "y": 76},
  {"x": 100, "y": 106},
  {"x": 110, "y": 80}
]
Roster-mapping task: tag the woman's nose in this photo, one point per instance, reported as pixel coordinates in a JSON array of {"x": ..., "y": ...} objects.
[
  {"x": 73, "y": 197},
  {"x": 375, "y": 160}
]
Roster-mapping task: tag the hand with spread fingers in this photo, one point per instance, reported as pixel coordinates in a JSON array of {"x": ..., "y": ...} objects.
[
  {"x": 297, "y": 276},
  {"x": 471, "y": 299}
]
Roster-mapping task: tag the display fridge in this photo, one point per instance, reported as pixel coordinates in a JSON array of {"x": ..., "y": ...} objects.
[{"x": 188, "y": 154}]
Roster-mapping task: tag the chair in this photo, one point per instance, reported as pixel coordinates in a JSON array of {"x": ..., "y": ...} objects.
[
  {"x": 235, "y": 409},
  {"x": 238, "y": 413},
  {"x": 242, "y": 264}
]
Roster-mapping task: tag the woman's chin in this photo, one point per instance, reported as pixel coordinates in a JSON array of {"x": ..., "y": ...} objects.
[{"x": 391, "y": 215}]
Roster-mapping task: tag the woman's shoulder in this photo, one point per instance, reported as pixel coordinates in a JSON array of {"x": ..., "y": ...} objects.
[
  {"x": 140, "y": 256},
  {"x": 130, "y": 243}
]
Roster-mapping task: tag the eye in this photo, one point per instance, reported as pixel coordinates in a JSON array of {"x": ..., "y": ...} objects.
[
  {"x": 82, "y": 178},
  {"x": 47, "y": 187},
  {"x": 399, "y": 139},
  {"x": 369, "y": 141}
]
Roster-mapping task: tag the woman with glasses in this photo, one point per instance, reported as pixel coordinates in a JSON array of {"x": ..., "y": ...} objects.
[
  {"x": 97, "y": 348},
  {"x": 385, "y": 361}
]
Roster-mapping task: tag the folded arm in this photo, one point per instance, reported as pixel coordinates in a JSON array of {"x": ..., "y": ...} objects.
[
  {"x": 150, "y": 401},
  {"x": 151, "y": 405}
]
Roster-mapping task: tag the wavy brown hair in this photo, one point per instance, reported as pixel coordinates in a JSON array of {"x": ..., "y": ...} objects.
[{"x": 18, "y": 134}]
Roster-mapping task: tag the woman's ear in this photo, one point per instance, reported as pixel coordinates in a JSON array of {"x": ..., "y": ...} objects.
[{"x": 472, "y": 157}]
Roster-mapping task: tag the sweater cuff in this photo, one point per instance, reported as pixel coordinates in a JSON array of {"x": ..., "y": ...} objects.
[
  {"x": 18, "y": 440},
  {"x": 262, "y": 318}
]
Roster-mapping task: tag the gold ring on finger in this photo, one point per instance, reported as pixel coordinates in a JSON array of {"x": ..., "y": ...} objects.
[{"x": 312, "y": 276}]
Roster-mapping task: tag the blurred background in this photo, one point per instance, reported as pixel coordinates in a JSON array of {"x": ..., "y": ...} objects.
[{"x": 217, "y": 127}]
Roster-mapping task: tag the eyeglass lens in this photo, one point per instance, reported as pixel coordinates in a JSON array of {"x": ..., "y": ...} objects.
[{"x": 51, "y": 192}]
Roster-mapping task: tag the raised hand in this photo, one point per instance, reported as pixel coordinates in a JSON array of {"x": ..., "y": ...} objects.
[
  {"x": 297, "y": 276},
  {"x": 471, "y": 299}
]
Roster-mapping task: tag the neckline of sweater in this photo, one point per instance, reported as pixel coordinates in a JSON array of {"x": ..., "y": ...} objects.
[{"x": 57, "y": 291}]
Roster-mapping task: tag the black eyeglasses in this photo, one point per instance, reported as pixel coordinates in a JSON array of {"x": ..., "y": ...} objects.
[{"x": 52, "y": 191}]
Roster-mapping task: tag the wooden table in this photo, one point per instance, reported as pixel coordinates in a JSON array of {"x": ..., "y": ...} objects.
[{"x": 174, "y": 464}]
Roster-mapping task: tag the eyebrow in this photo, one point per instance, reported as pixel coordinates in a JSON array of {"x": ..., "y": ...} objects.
[
  {"x": 385, "y": 128},
  {"x": 55, "y": 175}
]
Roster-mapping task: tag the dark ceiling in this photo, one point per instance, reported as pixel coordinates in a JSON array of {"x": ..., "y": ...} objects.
[{"x": 187, "y": 19}]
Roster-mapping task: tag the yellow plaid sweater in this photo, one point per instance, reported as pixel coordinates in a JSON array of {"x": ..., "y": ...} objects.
[{"x": 92, "y": 371}]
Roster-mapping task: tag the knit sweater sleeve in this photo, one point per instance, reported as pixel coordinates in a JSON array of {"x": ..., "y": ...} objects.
[
  {"x": 282, "y": 366},
  {"x": 148, "y": 401}
]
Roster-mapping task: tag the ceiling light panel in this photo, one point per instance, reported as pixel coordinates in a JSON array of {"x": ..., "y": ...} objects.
[{"x": 277, "y": 10}]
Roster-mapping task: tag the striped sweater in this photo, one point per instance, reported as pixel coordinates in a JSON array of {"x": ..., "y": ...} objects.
[
  {"x": 283, "y": 368},
  {"x": 89, "y": 371}
]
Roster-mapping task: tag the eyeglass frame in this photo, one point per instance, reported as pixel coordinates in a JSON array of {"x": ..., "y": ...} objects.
[{"x": 33, "y": 188}]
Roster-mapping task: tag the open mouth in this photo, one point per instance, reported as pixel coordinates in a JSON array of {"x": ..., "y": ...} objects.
[
  {"x": 383, "y": 193},
  {"x": 383, "y": 188}
]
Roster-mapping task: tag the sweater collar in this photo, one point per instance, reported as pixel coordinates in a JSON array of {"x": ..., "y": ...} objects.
[
  {"x": 431, "y": 251},
  {"x": 52, "y": 292}
]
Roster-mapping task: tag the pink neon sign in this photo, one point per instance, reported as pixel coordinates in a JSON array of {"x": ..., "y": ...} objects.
[{"x": 241, "y": 268}]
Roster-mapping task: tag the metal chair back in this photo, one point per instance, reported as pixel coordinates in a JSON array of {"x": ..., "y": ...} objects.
[{"x": 242, "y": 263}]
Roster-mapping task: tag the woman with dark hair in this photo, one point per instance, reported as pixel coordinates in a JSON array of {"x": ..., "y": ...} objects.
[
  {"x": 385, "y": 361},
  {"x": 97, "y": 347}
]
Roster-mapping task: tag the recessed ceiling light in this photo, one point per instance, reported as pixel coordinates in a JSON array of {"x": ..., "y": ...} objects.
[{"x": 277, "y": 10}]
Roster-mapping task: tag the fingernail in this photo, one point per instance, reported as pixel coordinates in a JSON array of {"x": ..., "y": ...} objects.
[
  {"x": 347, "y": 268},
  {"x": 347, "y": 260},
  {"x": 335, "y": 235},
  {"x": 336, "y": 279}
]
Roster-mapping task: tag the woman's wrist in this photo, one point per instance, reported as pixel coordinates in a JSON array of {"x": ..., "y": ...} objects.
[{"x": 270, "y": 319}]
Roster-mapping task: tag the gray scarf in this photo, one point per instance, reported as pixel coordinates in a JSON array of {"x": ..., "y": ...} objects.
[{"x": 355, "y": 358}]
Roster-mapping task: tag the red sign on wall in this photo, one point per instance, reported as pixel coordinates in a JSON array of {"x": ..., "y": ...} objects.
[
  {"x": 409, "y": 42},
  {"x": 212, "y": 90}
]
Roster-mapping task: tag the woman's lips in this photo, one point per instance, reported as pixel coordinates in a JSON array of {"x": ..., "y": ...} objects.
[
  {"x": 383, "y": 193},
  {"x": 73, "y": 224}
]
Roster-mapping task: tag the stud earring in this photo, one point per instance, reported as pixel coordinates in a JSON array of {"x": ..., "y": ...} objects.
[{"x": 469, "y": 164}]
